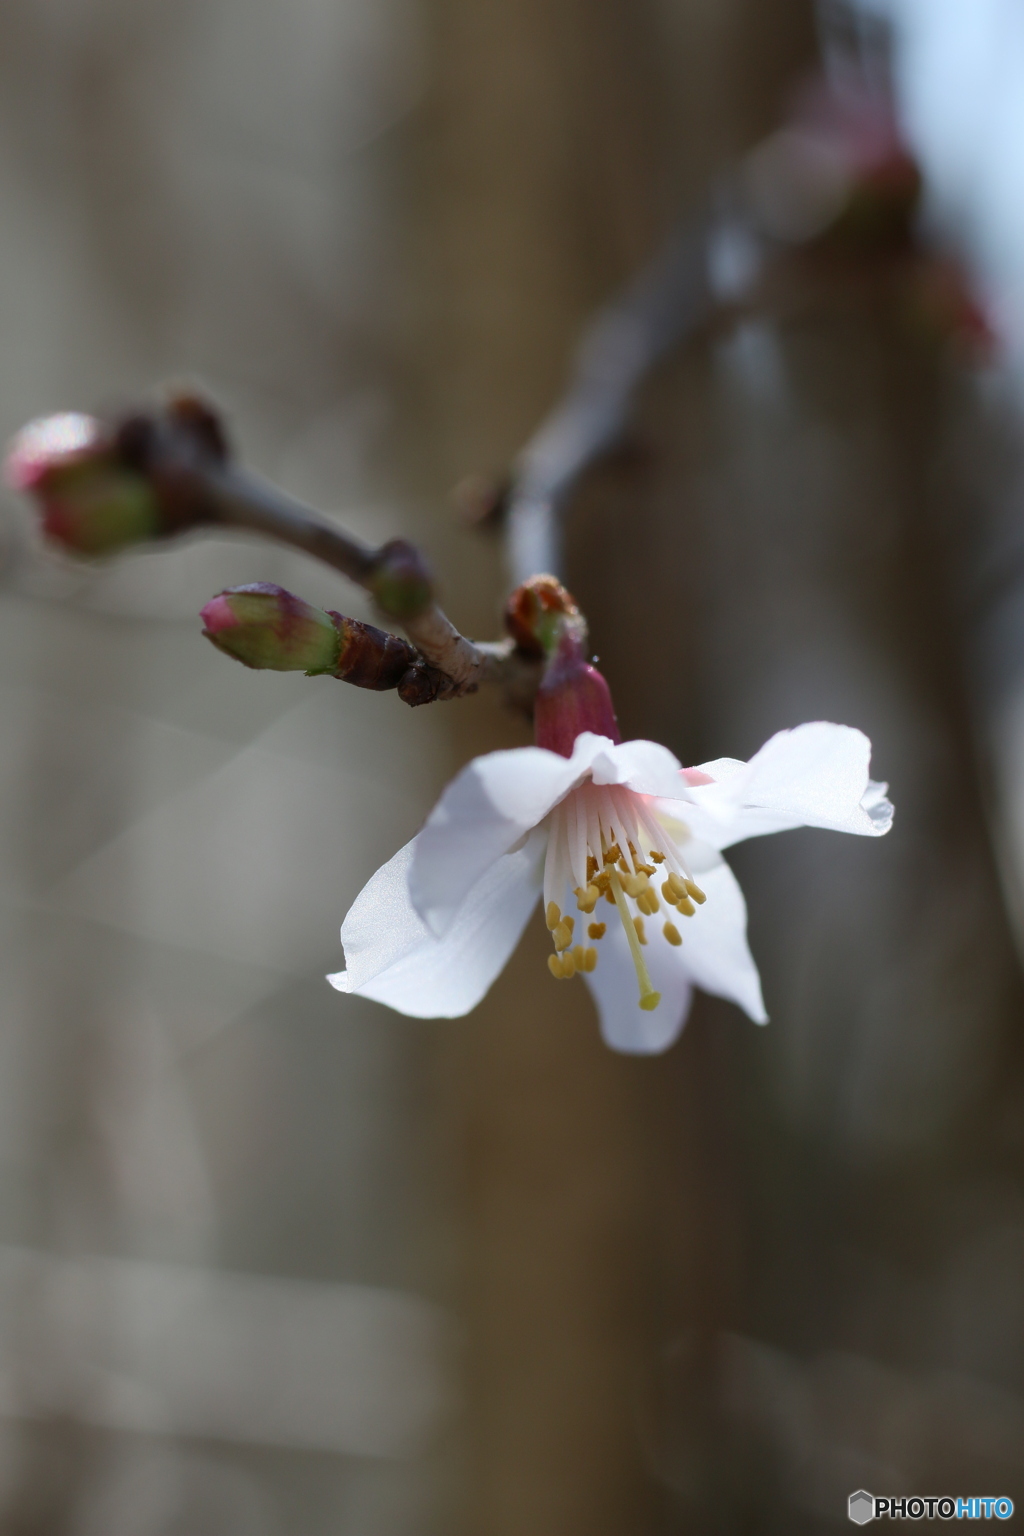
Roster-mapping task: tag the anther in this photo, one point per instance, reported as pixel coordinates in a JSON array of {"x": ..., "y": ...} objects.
[
  {"x": 568, "y": 964},
  {"x": 659, "y": 858},
  {"x": 695, "y": 891},
  {"x": 590, "y": 960},
  {"x": 562, "y": 935},
  {"x": 555, "y": 967},
  {"x": 613, "y": 854},
  {"x": 669, "y": 892},
  {"x": 650, "y": 1001},
  {"x": 678, "y": 885},
  {"x": 633, "y": 884},
  {"x": 597, "y": 930},
  {"x": 591, "y": 866},
  {"x": 609, "y": 896},
  {"x": 586, "y": 900},
  {"x": 638, "y": 924},
  {"x": 579, "y": 955},
  {"x": 646, "y": 869},
  {"x": 672, "y": 933},
  {"x": 686, "y": 907},
  {"x": 552, "y": 915}
]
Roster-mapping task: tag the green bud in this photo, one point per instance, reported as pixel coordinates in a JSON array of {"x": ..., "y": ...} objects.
[
  {"x": 90, "y": 501},
  {"x": 265, "y": 627},
  {"x": 401, "y": 582}
]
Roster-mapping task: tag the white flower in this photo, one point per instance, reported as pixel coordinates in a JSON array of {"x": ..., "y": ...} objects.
[{"x": 613, "y": 835}]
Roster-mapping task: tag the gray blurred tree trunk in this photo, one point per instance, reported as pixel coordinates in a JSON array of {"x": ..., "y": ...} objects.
[{"x": 723, "y": 1289}]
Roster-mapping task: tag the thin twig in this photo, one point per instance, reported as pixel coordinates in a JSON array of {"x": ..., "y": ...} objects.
[
  {"x": 238, "y": 499},
  {"x": 669, "y": 298}
]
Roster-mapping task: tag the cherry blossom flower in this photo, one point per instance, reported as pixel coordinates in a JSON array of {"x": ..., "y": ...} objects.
[{"x": 625, "y": 846}]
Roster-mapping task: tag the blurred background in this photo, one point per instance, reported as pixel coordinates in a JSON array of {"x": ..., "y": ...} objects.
[{"x": 273, "y": 1260}]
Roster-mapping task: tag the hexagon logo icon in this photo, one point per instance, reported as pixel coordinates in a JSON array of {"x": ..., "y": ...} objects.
[{"x": 862, "y": 1507}]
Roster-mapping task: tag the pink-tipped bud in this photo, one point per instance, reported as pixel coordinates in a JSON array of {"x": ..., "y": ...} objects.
[
  {"x": 943, "y": 306},
  {"x": 91, "y": 502},
  {"x": 572, "y": 697},
  {"x": 272, "y": 630},
  {"x": 265, "y": 627},
  {"x": 839, "y": 170}
]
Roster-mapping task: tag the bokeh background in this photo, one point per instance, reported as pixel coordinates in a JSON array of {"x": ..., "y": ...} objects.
[{"x": 273, "y": 1260}]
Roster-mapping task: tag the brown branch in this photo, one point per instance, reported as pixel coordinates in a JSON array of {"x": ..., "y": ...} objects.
[
  {"x": 396, "y": 575},
  {"x": 183, "y": 453},
  {"x": 667, "y": 300},
  {"x": 102, "y": 486}
]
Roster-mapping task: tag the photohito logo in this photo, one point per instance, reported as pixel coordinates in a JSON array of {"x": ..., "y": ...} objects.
[{"x": 864, "y": 1507}]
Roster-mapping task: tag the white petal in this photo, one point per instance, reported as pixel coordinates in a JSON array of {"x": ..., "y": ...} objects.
[
  {"x": 715, "y": 951},
  {"x": 613, "y": 986},
  {"x": 483, "y": 813},
  {"x": 393, "y": 957},
  {"x": 815, "y": 776},
  {"x": 643, "y": 766}
]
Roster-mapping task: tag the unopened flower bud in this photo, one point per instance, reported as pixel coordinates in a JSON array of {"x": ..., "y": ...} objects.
[
  {"x": 941, "y": 305},
  {"x": 91, "y": 501},
  {"x": 573, "y": 697},
  {"x": 838, "y": 171},
  {"x": 401, "y": 581},
  {"x": 539, "y": 612},
  {"x": 267, "y": 628},
  {"x": 264, "y": 626}
]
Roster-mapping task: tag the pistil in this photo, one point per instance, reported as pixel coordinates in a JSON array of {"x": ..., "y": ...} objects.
[{"x": 649, "y": 999}]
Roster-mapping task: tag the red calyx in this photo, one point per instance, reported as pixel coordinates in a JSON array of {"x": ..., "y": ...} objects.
[{"x": 573, "y": 697}]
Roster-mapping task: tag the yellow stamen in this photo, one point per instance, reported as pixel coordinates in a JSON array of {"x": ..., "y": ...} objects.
[
  {"x": 659, "y": 858},
  {"x": 590, "y": 960},
  {"x": 579, "y": 955},
  {"x": 555, "y": 967},
  {"x": 552, "y": 915},
  {"x": 613, "y": 854},
  {"x": 568, "y": 964},
  {"x": 695, "y": 891},
  {"x": 633, "y": 884},
  {"x": 669, "y": 892},
  {"x": 686, "y": 907},
  {"x": 562, "y": 935},
  {"x": 597, "y": 930},
  {"x": 646, "y": 869},
  {"x": 591, "y": 866},
  {"x": 648, "y": 997},
  {"x": 678, "y": 885},
  {"x": 638, "y": 924},
  {"x": 672, "y": 933},
  {"x": 586, "y": 900},
  {"x": 609, "y": 897}
]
